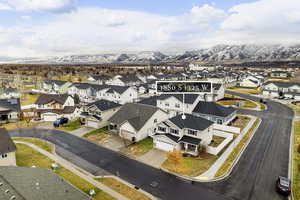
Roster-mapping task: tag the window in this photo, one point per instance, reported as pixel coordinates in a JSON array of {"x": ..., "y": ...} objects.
[
  {"x": 155, "y": 120},
  {"x": 162, "y": 129},
  {"x": 167, "y": 104},
  {"x": 219, "y": 121},
  {"x": 174, "y": 131},
  {"x": 4, "y": 155},
  {"x": 192, "y": 132},
  {"x": 177, "y": 105}
]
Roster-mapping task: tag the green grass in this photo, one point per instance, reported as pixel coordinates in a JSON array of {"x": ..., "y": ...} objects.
[
  {"x": 191, "y": 166},
  {"x": 27, "y": 157},
  {"x": 262, "y": 106},
  {"x": 141, "y": 147},
  {"x": 71, "y": 126},
  {"x": 97, "y": 136},
  {"x": 230, "y": 160},
  {"x": 296, "y": 162},
  {"x": 123, "y": 189},
  {"x": 40, "y": 143},
  {"x": 295, "y": 108}
]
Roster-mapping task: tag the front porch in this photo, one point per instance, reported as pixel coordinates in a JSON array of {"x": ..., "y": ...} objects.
[{"x": 189, "y": 145}]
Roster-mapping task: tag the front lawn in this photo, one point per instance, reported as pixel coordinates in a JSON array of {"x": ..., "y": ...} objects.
[
  {"x": 141, "y": 147},
  {"x": 296, "y": 108},
  {"x": 19, "y": 124},
  {"x": 28, "y": 157},
  {"x": 71, "y": 125},
  {"x": 129, "y": 192},
  {"x": 40, "y": 143},
  {"x": 241, "y": 121},
  {"x": 216, "y": 141},
  {"x": 190, "y": 166},
  {"x": 97, "y": 136},
  {"x": 230, "y": 160}
]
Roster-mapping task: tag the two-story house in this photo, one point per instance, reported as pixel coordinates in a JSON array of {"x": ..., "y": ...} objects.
[
  {"x": 99, "y": 79},
  {"x": 118, "y": 94},
  {"x": 56, "y": 86},
  {"x": 135, "y": 122},
  {"x": 7, "y": 149},
  {"x": 10, "y": 110},
  {"x": 53, "y": 106},
  {"x": 8, "y": 93},
  {"x": 96, "y": 114},
  {"x": 125, "y": 80},
  {"x": 279, "y": 74},
  {"x": 187, "y": 135}
]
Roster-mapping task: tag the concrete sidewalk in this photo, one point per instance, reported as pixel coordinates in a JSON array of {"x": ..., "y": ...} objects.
[
  {"x": 76, "y": 171},
  {"x": 81, "y": 131}
]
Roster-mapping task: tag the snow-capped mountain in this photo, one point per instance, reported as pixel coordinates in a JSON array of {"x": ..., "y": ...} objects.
[{"x": 219, "y": 53}]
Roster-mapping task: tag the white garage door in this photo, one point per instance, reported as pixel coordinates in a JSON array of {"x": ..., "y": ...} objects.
[
  {"x": 50, "y": 117},
  {"x": 92, "y": 124},
  {"x": 164, "y": 146}
]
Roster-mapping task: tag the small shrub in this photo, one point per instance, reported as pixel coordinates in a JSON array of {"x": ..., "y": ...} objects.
[{"x": 299, "y": 148}]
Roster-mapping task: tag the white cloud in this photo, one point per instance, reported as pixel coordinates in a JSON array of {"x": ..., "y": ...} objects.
[
  {"x": 38, "y": 5},
  {"x": 97, "y": 30}
]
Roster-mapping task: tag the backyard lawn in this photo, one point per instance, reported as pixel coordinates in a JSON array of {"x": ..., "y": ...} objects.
[
  {"x": 241, "y": 121},
  {"x": 129, "y": 192},
  {"x": 190, "y": 166},
  {"x": 27, "y": 157},
  {"x": 230, "y": 160},
  {"x": 97, "y": 136},
  {"x": 71, "y": 125},
  {"x": 217, "y": 140},
  {"x": 141, "y": 147},
  {"x": 28, "y": 99}
]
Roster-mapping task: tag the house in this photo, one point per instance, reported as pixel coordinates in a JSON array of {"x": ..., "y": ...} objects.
[
  {"x": 7, "y": 149},
  {"x": 56, "y": 86},
  {"x": 85, "y": 91},
  {"x": 96, "y": 114},
  {"x": 200, "y": 67},
  {"x": 53, "y": 106},
  {"x": 10, "y": 110},
  {"x": 214, "y": 112},
  {"x": 118, "y": 94},
  {"x": 279, "y": 74},
  {"x": 99, "y": 79},
  {"x": 125, "y": 80},
  {"x": 187, "y": 135},
  {"x": 279, "y": 88},
  {"x": 136, "y": 122},
  {"x": 8, "y": 93},
  {"x": 29, "y": 183},
  {"x": 251, "y": 81}
]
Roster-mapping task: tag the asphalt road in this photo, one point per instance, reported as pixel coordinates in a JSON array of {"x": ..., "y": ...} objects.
[{"x": 253, "y": 178}]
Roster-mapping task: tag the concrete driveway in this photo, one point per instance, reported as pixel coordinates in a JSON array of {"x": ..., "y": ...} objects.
[
  {"x": 81, "y": 131},
  {"x": 114, "y": 142},
  {"x": 154, "y": 157}
]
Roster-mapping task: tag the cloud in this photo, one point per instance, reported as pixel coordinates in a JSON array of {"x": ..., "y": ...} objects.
[
  {"x": 99, "y": 30},
  {"x": 38, "y": 5}
]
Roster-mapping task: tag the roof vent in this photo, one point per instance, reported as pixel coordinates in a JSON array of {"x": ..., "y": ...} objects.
[
  {"x": 1, "y": 183},
  {"x": 7, "y": 191},
  {"x": 12, "y": 198}
]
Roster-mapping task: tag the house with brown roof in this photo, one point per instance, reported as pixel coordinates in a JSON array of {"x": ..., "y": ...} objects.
[
  {"x": 53, "y": 106},
  {"x": 7, "y": 149}
]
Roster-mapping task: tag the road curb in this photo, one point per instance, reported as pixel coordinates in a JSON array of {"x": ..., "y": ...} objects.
[{"x": 291, "y": 156}]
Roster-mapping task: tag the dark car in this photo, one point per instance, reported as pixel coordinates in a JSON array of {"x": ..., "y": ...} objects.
[
  {"x": 283, "y": 185},
  {"x": 60, "y": 121},
  {"x": 263, "y": 101}
]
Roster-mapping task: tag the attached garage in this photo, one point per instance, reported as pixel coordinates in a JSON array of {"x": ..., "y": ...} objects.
[
  {"x": 92, "y": 123},
  {"x": 127, "y": 135},
  {"x": 49, "y": 117},
  {"x": 164, "y": 146}
]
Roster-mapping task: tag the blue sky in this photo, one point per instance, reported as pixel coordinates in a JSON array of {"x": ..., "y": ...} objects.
[{"x": 38, "y": 28}]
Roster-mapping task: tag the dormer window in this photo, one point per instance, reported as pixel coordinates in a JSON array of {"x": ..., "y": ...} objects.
[{"x": 174, "y": 131}]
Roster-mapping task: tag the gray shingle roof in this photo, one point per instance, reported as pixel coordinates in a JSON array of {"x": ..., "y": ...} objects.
[
  {"x": 57, "y": 82},
  {"x": 188, "y": 98},
  {"x": 104, "y": 104},
  {"x": 190, "y": 140},
  {"x": 47, "y": 98},
  {"x": 11, "y": 104},
  {"x": 212, "y": 108},
  {"x": 6, "y": 143},
  {"x": 36, "y": 184},
  {"x": 282, "y": 84},
  {"x": 191, "y": 122},
  {"x": 136, "y": 114}
]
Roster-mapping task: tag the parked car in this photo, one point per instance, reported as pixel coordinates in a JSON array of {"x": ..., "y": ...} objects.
[
  {"x": 263, "y": 101},
  {"x": 60, "y": 121},
  {"x": 283, "y": 185}
]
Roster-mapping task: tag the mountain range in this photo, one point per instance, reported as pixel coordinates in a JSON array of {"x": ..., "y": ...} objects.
[{"x": 215, "y": 54}]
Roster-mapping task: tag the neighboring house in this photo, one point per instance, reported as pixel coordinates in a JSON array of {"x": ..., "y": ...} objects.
[
  {"x": 7, "y": 149},
  {"x": 125, "y": 80},
  {"x": 96, "y": 114},
  {"x": 8, "y": 93},
  {"x": 251, "y": 81},
  {"x": 188, "y": 135},
  {"x": 136, "y": 122},
  {"x": 53, "y": 106},
  {"x": 99, "y": 79},
  {"x": 279, "y": 74},
  {"x": 279, "y": 88},
  {"x": 214, "y": 112},
  {"x": 10, "y": 110},
  {"x": 201, "y": 67},
  {"x": 118, "y": 94},
  {"x": 85, "y": 91},
  {"x": 56, "y": 86},
  {"x": 30, "y": 183}
]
